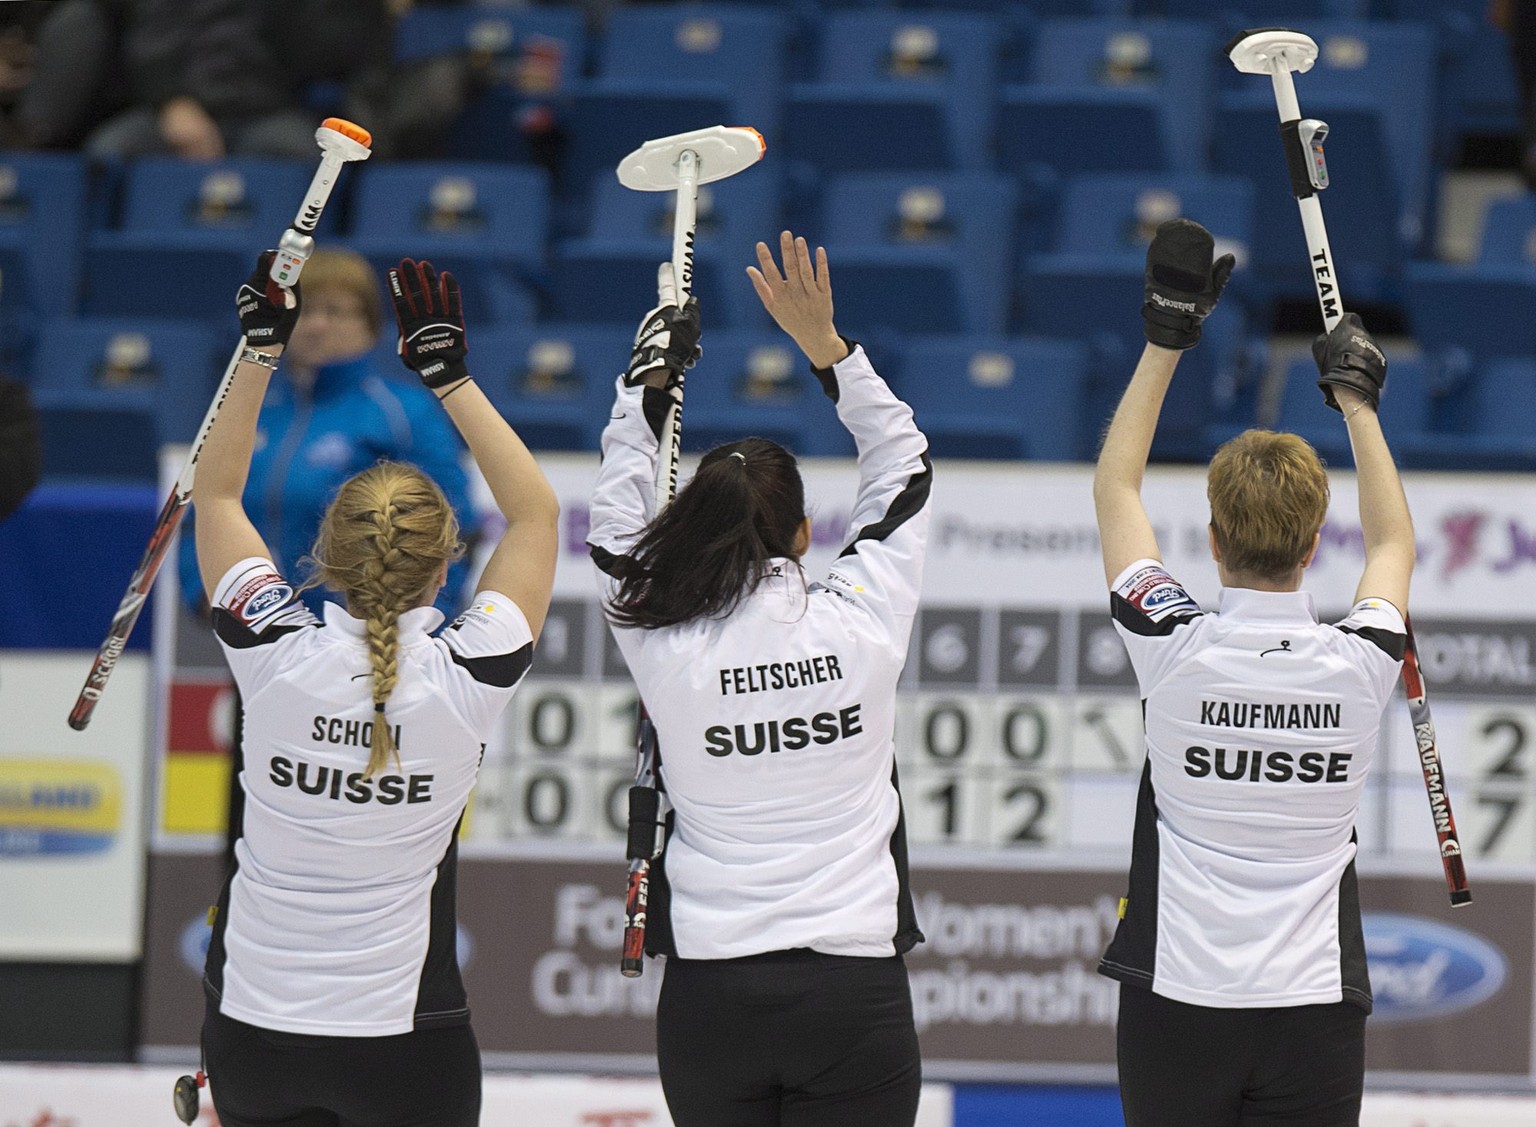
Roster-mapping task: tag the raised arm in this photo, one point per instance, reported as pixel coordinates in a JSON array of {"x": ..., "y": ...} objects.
[
  {"x": 881, "y": 566},
  {"x": 1182, "y": 286},
  {"x": 225, "y": 535},
  {"x": 624, "y": 496},
  {"x": 1352, "y": 372},
  {"x": 430, "y": 314}
]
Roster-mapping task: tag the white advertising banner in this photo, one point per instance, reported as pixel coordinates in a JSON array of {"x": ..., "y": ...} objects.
[
  {"x": 1025, "y": 534},
  {"x": 71, "y": 810}
]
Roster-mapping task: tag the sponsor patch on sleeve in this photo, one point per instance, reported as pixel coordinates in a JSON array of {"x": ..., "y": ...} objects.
[
  {"x": 259, "y": 599},
  {"x": 1156, "y": 594}
]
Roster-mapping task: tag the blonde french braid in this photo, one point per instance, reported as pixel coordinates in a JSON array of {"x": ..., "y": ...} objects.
[{"x": 383, "y": 543}]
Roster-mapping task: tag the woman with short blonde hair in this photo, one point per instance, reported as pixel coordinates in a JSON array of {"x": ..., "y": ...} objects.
[{"x": 1239, "y": 950}]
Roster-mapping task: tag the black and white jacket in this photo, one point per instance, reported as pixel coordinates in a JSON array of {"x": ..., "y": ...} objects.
[
  {"x": 338, "y": 916},
  {"x": 776, "y": 722},
  {"x": 1262, "y": 727}
]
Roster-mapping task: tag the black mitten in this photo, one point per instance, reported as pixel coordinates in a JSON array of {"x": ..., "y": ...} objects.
[
  {"x": 1348, "y": 357},
  {"x": 1182, "y": 283}
]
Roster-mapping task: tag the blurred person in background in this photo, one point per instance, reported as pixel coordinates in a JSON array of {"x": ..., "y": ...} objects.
[
  {"x": 334, "y": 410},
  {"x": 203, "y": 79}
]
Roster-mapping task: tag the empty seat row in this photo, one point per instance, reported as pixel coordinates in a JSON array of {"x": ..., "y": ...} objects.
[
  {"x": 115, "y": 391},
  {"x": 939, "y": 88}
]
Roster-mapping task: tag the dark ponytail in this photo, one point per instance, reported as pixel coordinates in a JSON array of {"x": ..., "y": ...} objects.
[{"x": 707, "y": 550}]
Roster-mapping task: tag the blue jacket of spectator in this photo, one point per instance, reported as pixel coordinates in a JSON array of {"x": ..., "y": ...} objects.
[{"x": 310, "y": 440}]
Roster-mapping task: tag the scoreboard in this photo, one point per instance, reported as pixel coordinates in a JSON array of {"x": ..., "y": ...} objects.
[
  {"x": 1019, "y": 729},
  {"x": 1018, "y": 721}
]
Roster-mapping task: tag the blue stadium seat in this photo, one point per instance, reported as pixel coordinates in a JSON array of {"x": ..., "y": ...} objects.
[
  {"x": 523, "y": 60},
  {"x": 1111, "y": 95},
  {"x": 922, "y": 253},
  {"x": 189, "y": 234},
  {"x": 43, "y": 200},
  {"x": 609, "y": 274},
  {"x": 1374, "y": 85},
  {"x": 1097, "y": 298},
  {"x": 1503, "y": 403},
  {"x": 1509, "y": 232},
  {"x": 1118, "y": 214},
  {"x": 897, "y": 90},
  {"x": 1253, "y": 13},
  {"x": 1405, "y": 409},
  {"x": 673, "y": 69},
  {"x": 997, "y": 397},
  {"x": 1103, "y": 230},
  {"x": 88, "y": 437},
  {"x": 1477, "y": 91},
  {"x": 759, "y": 383},
  {"x": 1481, "y": 313},
  {"x": 485, "y": 223},
  {"x": 168, "y": 367},
  {"x": 553, "y": 383}
]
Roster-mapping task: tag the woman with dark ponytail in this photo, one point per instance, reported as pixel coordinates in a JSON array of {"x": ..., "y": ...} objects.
[
  {"x": 780, "y": 901},
  {"x": 332, "y": 979}
]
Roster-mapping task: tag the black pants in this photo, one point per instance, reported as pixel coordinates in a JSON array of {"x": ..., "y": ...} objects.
[
  {"x": 788, "y": 1039},
  {"x": 1196, "y": 1066},
  {"x": 262, "y": 1078}
]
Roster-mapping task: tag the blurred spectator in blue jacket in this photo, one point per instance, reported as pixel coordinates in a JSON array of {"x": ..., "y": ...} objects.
[{"x": 335, "y": 409}]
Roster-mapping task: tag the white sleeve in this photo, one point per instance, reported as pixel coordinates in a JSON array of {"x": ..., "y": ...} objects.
[
  {"x": 254, "y": 606},
  {"x": 881, "y": 567},
  {"x": 1378, "y": 633},
  {"x": 624, "y": 496},
  {"x": 1148, "y": 606},
  {"x": 491, "y": 645}
]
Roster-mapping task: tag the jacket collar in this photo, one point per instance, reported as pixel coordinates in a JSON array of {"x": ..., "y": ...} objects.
[
  {"x": 414, "y": 624},
  {"x": 1247, "y": 605}
]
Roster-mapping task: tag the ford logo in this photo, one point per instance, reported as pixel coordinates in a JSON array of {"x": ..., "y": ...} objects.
[
  {"x": 266, "y": 600},
  {"x": 1422, "y": 969},
  {"x": 1163, "y": 595}
]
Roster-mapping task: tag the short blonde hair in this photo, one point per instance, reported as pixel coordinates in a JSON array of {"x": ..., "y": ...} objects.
[
  {"x": 336, "y": 268},
  {"x": 383, "y": 541},
  {"x": 1269, "y": 495}
]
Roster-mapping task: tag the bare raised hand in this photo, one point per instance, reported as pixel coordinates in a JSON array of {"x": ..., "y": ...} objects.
[{"x": 799, "y": 298}]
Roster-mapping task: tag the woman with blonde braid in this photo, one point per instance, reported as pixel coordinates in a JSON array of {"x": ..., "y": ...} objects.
[{"x": 333, "y": 989}]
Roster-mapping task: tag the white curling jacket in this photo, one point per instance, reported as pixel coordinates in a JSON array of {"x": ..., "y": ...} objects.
[
  {"x": 776, "y": 722},
  {"x": 1262, "y": 726},
  {"x": 337, "y": 918}
]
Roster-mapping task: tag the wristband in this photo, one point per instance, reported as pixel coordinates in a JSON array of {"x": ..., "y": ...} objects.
[{"x": 256, "y": 356}]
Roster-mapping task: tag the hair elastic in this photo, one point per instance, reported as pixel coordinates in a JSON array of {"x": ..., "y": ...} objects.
[
  {"x": 378, "y": 706},
  {"x": 739, "y": 454}
]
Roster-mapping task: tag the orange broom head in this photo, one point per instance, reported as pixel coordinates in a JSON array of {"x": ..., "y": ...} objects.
[{"x": 348, "y": 129}]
